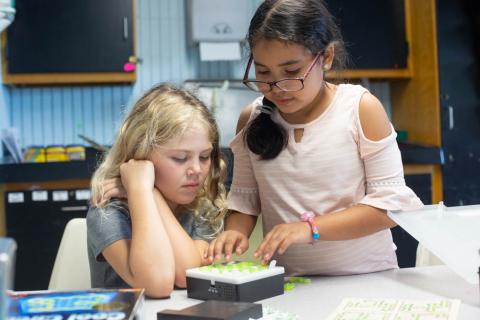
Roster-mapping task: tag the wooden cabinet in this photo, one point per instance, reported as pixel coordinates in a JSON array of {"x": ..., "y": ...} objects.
[
  {"x": 459, "y": 53},
  {"x": 416, "y": 110},
  {"x": 416, "y": 100},
  {"x": 36, "y": 214},
  {"x": 414, "y": 86},
  {"x": 36, "y": 202},
  {"x": 56, "y": 41},
  {"x": 375, "y": 36}
]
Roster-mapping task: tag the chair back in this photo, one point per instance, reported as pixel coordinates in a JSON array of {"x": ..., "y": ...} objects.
[
  {"x": 71, "y": 270},
  {"x": 425, "y": 258}
]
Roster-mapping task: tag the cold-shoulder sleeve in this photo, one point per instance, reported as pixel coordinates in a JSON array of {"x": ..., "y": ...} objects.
[
  {"x": 385, "y": 183},
  {"x": 243, "y": 196}
]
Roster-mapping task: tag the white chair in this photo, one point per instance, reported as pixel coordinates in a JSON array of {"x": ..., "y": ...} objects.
[
  {"x": 425, "y": 258},
  {"x": 71, "y": 270}
]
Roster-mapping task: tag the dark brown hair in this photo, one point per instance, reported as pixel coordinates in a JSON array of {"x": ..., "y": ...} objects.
[{"x": 304, "y": 22}]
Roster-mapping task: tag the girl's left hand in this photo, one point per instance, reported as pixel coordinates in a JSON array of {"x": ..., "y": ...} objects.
[
  {"x": 281, "y": 237},
  {"x": 112, "y": 188}
]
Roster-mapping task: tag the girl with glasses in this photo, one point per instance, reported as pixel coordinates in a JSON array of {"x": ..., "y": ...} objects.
[
  {"x": 158, "y": 196},
  {"x": 319, "y": 161}
]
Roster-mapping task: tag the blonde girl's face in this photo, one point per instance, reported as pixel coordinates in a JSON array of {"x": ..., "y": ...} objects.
[
  {"x": 182, "y": 165},
  {"x": 275, "y": 60}
]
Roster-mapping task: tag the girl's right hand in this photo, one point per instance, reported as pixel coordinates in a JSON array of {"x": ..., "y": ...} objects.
[
  {"x": 225, "y": 244},
  {"x": 137, "y": 175}
]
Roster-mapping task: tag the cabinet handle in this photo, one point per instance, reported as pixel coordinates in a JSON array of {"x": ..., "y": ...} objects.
[
  {"x": 125, "y": 28},
  {"x": 74, "y": 208},
  {"x": 451, "y": 120}
]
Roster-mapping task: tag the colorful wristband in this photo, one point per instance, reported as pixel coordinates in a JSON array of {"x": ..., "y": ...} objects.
[{"x": 308, "y": 216}]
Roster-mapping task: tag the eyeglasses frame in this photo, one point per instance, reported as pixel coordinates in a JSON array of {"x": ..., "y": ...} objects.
[{"x": 245, "y": 80}]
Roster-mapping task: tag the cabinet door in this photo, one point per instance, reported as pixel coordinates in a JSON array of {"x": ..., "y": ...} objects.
[
  {"x": 37, "y": 227},
  {"x": 458, "y": 53},
  {"x": 373, "y": 31},
  {"x": 62, "y": 37}
]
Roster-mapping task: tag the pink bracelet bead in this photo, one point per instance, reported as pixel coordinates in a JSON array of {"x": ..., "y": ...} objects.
[{"x": 308, "y": 216}]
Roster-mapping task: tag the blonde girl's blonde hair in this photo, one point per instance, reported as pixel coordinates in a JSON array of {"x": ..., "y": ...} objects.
[{"x": 163, "y": 113}]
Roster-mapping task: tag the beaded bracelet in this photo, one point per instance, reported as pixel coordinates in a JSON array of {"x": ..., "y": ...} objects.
[{"x": 308, "y": 216}]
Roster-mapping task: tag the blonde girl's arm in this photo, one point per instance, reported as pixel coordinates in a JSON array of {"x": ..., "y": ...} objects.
[
  {"x": 188, "y": 253},
  {"x": 147, "y": 260}
]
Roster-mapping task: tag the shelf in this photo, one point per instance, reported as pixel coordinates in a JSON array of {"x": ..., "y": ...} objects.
[
  {"x": 420, "y": 154},
  {"x": 68, "y": 78},
  {"x": 370, "y": 74},
  {"x": 50, "y": 171}
]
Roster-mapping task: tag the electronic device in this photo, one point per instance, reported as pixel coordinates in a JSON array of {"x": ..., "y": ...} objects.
[
  {"x": 235, "y": 281},
  {"x": 215, "y": 310}
]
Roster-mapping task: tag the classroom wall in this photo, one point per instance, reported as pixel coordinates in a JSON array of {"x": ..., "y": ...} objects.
[{"x": 56, "y": 115}]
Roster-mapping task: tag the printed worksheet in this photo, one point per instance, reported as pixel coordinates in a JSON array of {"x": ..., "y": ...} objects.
[{"x": 392, "y": 309}]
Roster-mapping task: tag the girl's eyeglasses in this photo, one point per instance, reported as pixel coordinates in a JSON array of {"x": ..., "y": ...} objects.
[{"x": 287, "y": 84}]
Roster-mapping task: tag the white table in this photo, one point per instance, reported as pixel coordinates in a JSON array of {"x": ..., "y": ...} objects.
[{"x": 320, "y": 298}]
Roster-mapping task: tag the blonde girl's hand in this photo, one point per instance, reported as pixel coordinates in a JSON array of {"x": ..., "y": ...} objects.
[
  {"x": 227, "y": 243},
  {"x": 112, "y": 188},
  {"x": 281, "y": 237},
  {"x": 137, "y": 175}
]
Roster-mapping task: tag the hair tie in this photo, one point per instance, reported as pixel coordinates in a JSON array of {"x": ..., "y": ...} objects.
[{"x": 266, "y": 109}]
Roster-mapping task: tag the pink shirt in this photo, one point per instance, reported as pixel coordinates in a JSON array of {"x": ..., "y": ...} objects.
[{"x": 333, "y": 167}]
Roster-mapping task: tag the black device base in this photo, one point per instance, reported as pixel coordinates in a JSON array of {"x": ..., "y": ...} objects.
[
  {"x": 215, "y": 310},
  {"x": 249, "y": 292}
]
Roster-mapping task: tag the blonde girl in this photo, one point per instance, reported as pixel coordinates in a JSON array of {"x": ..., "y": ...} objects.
[{"x": 157, "y": 197}]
